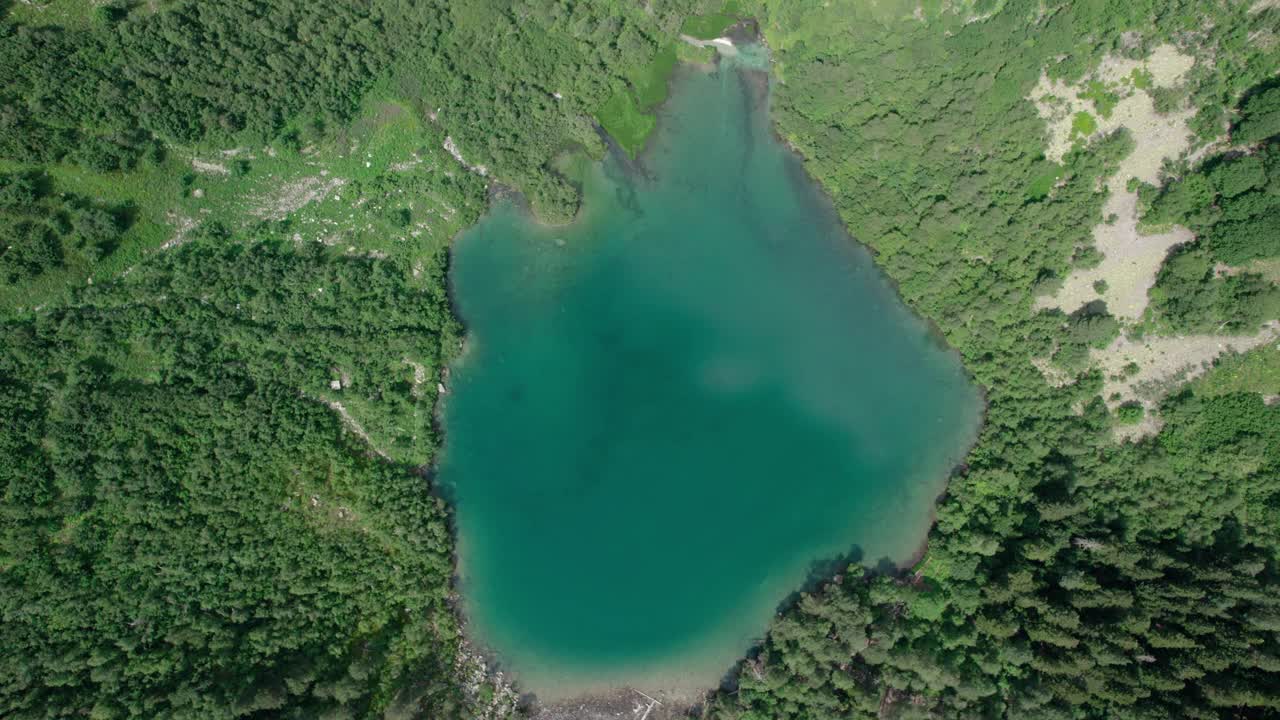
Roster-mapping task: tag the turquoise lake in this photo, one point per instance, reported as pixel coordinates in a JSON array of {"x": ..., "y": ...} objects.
[{"x": 670, "y": 410}]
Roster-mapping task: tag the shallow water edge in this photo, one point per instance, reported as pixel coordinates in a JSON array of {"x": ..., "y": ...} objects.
[{"x": 679, "y": 680}]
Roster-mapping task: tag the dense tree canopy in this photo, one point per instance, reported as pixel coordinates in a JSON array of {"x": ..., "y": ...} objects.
[
  {"x": 1232, "y": 203},
  {"x": 187, "y": 530},
  {"x": 213, "y": 501},
  {"x": 1069, "y": 575}
]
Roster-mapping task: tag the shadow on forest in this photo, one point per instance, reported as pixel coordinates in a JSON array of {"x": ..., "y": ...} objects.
[
  {"x": 822, "y": 572},
  {"x": 830, "y": 570},
  {"x": 1248, "y": 95}
]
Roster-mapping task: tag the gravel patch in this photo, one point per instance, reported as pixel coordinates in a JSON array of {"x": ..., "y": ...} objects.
[
  {"x": 1130, "y": 258},
  {"x": 297, "y": 195},
  {"x": 182, "y": 227},
  {"x": 209, "y": 168},
  {"x": 618, "y": 704},
  {"x": 1164, "y": 363}
]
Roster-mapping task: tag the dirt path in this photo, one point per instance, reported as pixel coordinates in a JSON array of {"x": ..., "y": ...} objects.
[
  {"x": 349, "y": 422},
  {"x": 452, "y": 148}
]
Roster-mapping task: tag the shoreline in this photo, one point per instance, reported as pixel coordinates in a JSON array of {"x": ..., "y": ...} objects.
[
  {"x": 619, "y": 702},
  {"x": 611, "y": 700},
  {"x": 960, "y": 465}
]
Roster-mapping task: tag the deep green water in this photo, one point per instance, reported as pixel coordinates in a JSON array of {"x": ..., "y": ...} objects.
[{"x": 671, "y": 409}]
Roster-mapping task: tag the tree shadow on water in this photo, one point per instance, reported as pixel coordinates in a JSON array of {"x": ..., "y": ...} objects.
[{"x": 823, "y": 572}]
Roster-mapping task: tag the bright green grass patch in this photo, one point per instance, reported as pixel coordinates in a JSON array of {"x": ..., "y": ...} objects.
[
  {"x": 625, "y": 115},
  {"x": 1104, "y": 101},
  {"x": 651, "y": 81},
  {"x": 1268, "y": 268},
  {"x": 625, "y": 123},
  {"x": 1083, "y": 124},
  {"x": 707, "y": 27},
  {"x": 70, "y": 14},
  {"x": 1255, "y": 371},
  {"x": 1142, "y": 78},
  {"x": 574, "y": 165},
  {"x": 694, "y": 54},
  {"x": 142, "y": 193},
  {"x": 1043, "y": 183},
  {"x": 385, "y": 185},
  {"x": 934, "y": 565},
  {"x": 67, "y": 13}
]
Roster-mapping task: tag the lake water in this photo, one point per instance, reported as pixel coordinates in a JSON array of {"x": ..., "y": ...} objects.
[{"x": 671, "y": 409}]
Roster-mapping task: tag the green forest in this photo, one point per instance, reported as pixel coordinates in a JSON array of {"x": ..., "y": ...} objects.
[
  {"x": 224, "y": 237},
  {"x": 1068, "y": 575}
]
